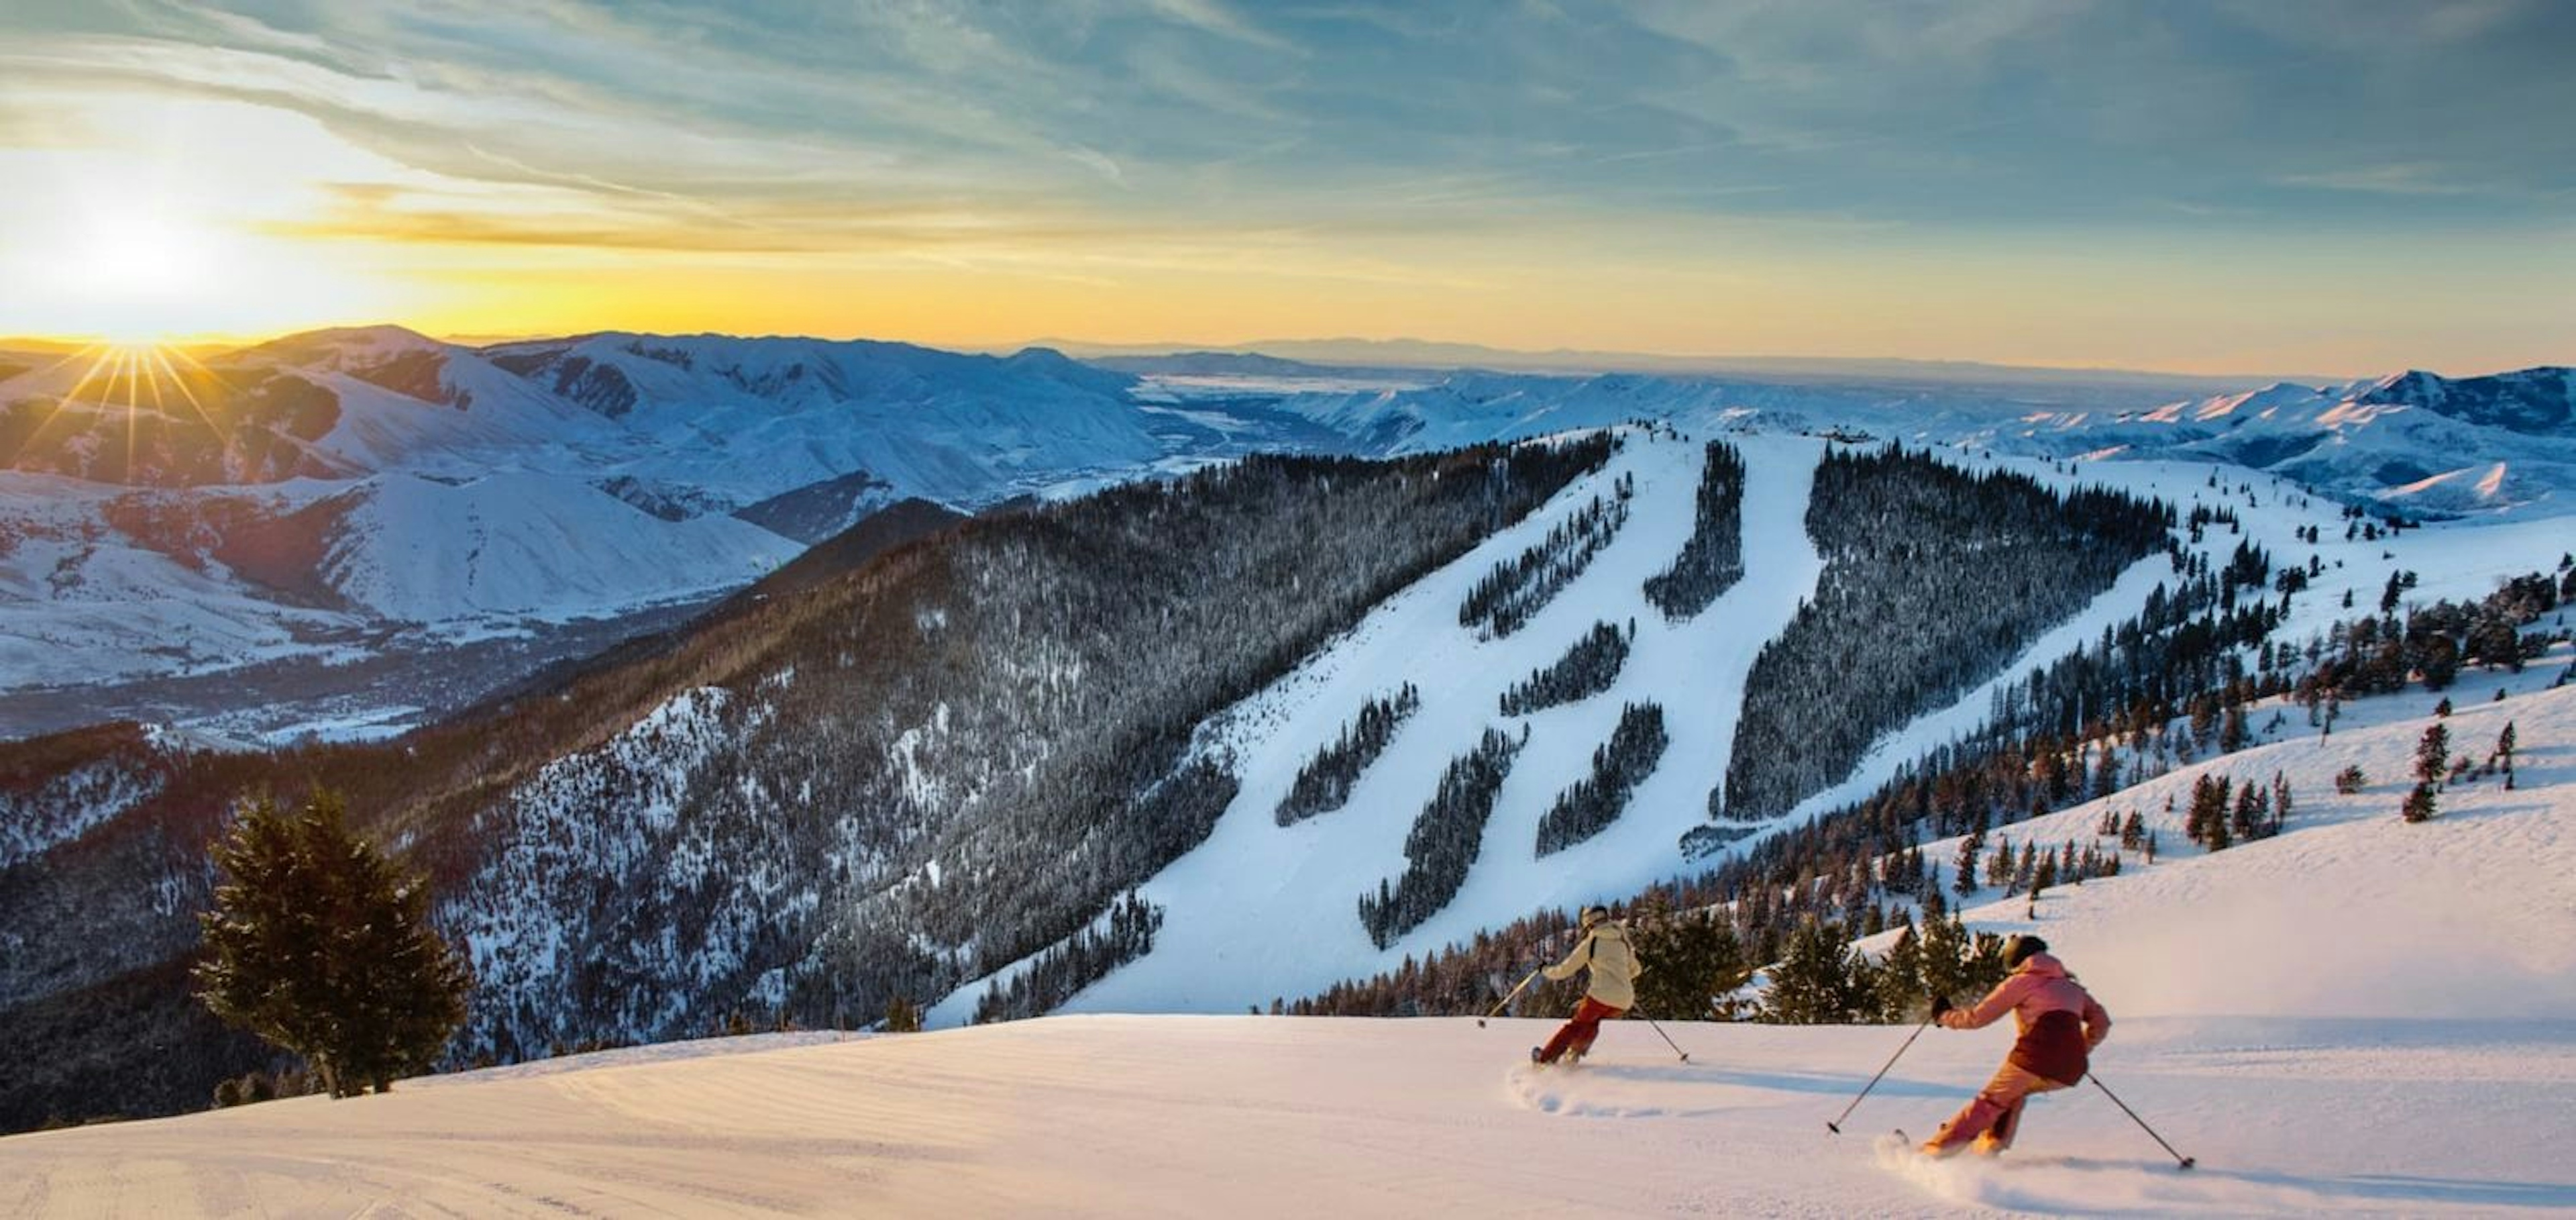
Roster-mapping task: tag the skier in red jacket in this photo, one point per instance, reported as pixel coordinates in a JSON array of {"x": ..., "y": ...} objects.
[{"x": 2060, "y": 1025}]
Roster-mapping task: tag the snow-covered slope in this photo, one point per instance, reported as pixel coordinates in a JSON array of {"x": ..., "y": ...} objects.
[
  {"x": 2415, "y": 443},
  {"x": 2359, "y": 1016},
  {"x": 480, "y": 492},
  {"x": 1262, "y": 911},
  {"x": 531, "y": 544}
]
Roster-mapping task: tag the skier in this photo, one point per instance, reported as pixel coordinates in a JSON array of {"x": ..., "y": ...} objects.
[
  {"x": 2060, "y": 1024},
  {"x": 1607, "y": 994}
]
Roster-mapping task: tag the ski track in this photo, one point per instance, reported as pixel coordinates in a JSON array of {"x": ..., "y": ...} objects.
[{"x": 1261, "y": 911}]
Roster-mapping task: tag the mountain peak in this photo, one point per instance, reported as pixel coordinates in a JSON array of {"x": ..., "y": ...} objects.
[
  {"x": 372, "y": 341},
  {"x": 2536, "y": 401}
]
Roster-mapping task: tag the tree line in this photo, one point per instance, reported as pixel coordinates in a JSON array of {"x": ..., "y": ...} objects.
[
  {"x": 1324, "y": 783},
  {"x": 1588, "y": 668},
  {"x": 1444, "y": 842},
  {"x": 1712, "y": 560},
  {"x": 1589, "y": 805}
]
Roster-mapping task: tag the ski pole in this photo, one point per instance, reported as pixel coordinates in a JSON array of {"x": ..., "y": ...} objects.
[
  {"x": 1507, "y": 999},
  {"x": 2179, "y": 1159},
  {"x": 1668, "y": 1038},
  {"x": 1836, "y": 1126}
]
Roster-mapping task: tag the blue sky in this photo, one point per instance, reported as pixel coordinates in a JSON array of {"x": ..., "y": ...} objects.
[{"x": 2287, "y": 185}]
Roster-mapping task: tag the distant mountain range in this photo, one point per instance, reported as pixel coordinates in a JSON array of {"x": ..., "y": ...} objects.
[
  {"x": 365, "y": 528},
  {"x": 1431, "y": 354}
]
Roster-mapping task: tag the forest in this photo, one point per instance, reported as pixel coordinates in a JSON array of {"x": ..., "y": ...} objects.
[
  {"x": 1324, "y": 783},
  {"x": 1908, "y": 541},
  {"x": 1444, "y": 842},
  {"x": 1591, "y": 804},
  {"x": 1521, "y": 586},
  {"x": 1589, "y": 666},
  {"x": 1712, "y": 560}
]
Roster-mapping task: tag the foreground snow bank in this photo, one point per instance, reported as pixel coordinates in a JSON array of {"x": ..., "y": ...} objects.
[{"x": 1127, "y": 1115}]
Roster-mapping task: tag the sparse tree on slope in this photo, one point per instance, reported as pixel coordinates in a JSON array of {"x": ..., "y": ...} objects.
[
  {"x": 320, "y": 945},
  {"x": 2432, "y": 754}
]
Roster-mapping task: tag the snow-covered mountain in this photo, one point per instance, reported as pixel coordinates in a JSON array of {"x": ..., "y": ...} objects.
[
  {"x": 288, "y": 511},
  {"x": 326, "y": 517},
  {"x": 2413, "y": 443}
]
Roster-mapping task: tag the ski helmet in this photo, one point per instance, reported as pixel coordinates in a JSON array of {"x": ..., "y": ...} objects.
[{"x": 2018, "y": 949}]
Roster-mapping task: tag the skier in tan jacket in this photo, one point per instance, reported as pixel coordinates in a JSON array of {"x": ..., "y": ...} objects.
[{"x": 1611, "y": 990}]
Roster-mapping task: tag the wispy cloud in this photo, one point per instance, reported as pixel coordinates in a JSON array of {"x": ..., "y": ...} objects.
[{"x": 1446, "y": 144}]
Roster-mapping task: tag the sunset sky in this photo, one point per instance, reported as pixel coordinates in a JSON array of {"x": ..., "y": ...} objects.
[{"x": 2266, "y": 186}]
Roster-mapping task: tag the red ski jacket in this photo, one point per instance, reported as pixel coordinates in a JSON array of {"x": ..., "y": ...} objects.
[{"x": 2059, "y": 1021}]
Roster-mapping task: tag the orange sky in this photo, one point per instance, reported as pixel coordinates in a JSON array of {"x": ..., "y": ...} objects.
[{"x": 1244, "y": 178}]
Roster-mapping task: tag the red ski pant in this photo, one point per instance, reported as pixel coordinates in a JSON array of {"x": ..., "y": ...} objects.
[
  {"x": 1576, "y": 1035},
  {"x": 1995, "y": 1113}
]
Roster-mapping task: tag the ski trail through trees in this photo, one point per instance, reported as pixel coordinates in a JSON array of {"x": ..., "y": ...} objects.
[{"x": 1262, "y": 911}]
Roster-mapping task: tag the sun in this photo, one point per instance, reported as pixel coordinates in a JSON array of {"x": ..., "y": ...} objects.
[{"x": 128, "y": 272}]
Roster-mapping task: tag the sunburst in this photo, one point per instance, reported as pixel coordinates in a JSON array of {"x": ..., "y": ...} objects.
[{"x": 132, "y": 377}]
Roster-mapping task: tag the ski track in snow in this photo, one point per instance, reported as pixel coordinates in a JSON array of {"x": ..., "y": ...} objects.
[{"x": 1261, "y": 911}]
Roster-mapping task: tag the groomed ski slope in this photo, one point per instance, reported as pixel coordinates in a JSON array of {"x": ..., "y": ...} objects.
[{"x": 1133, "y": 1116}]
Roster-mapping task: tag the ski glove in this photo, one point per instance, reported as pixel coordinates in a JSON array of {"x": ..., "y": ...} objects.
[{"x": 1940, "y": 1006}]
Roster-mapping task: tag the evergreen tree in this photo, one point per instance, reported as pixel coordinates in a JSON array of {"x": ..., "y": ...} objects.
[
  {"x": 2432, "y": 754},
  {"x": 1814, "y": 983},
  {"x": 319, "y": 945},
  {"x": 1969, "y": 848},
  {"x": 1900, "y": 976},
  {"x": 2419, "y": 806},
  {"x": 1691, "y": 958}
]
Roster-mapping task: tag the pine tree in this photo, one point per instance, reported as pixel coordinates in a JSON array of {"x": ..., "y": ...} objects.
[
  {"x": 1814, "y": 983},
  {"x": 2419, "y": 806},
  {"x": 1944, "y": 959},
  {"x": 1969, "y": 847},
  {"x": 2432, "y": 754},
  {"x": 1900, "y": 976},
  {"x": 1692, "y": 957},
  {"x": 321, "y": 946}
]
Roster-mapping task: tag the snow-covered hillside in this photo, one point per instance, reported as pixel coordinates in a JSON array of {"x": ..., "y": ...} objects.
[
  {"x": 132, "y": 480},
  {"x": 1263, "y": 911},
  {"x": 366, "y": 495},
  {"x": 2359, "y": 1016},
  {"x": 2413, "y": 443}
]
